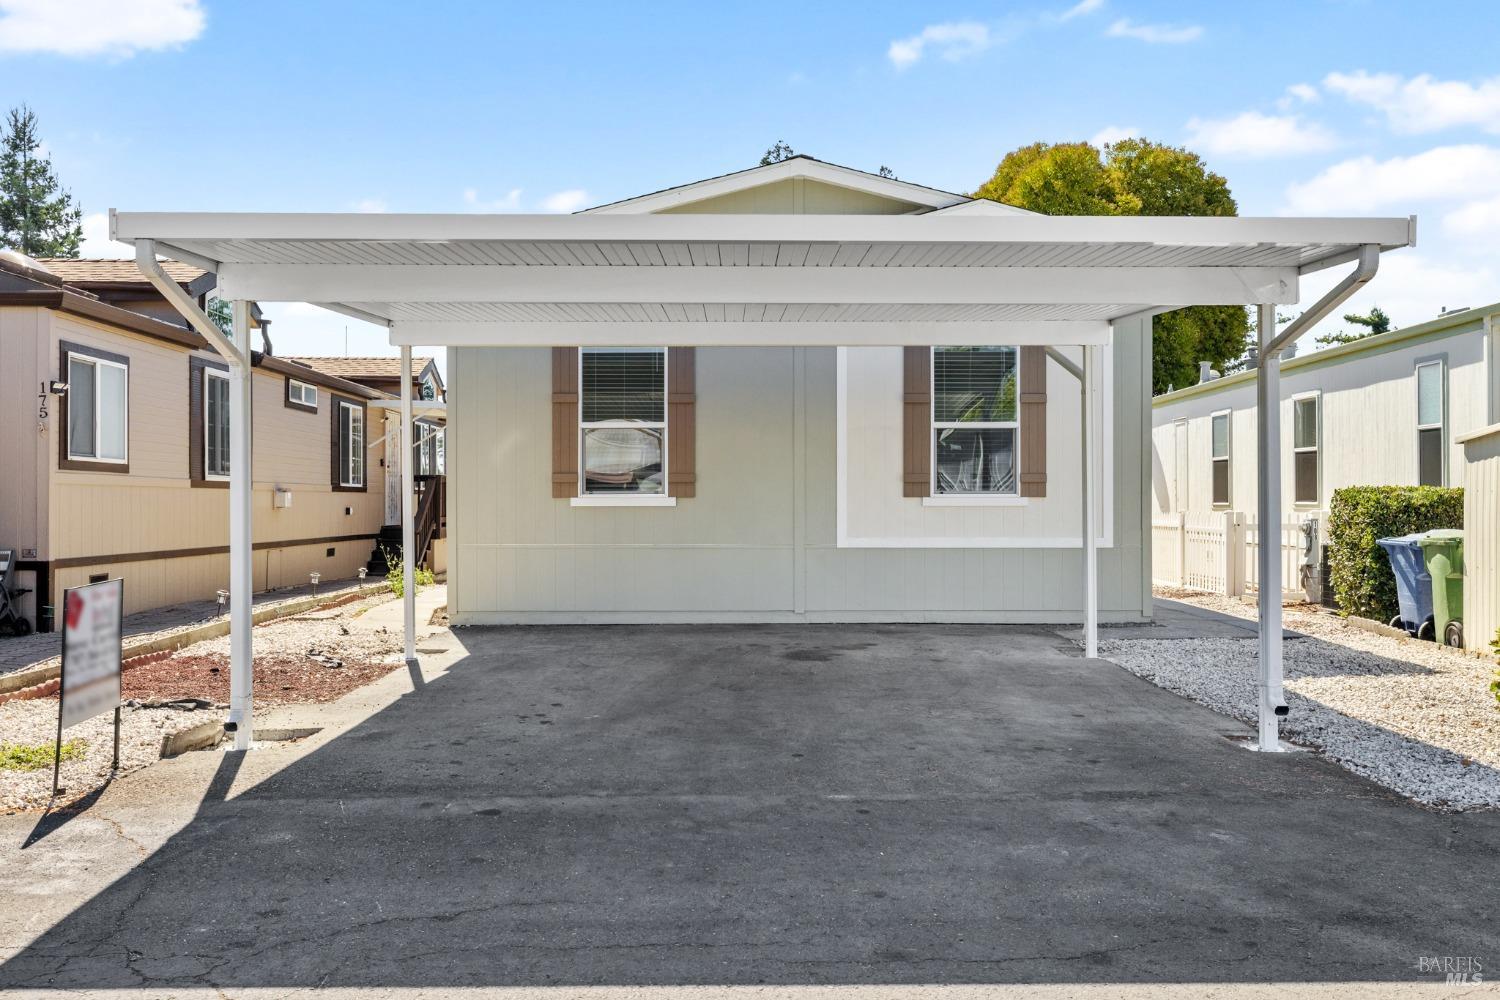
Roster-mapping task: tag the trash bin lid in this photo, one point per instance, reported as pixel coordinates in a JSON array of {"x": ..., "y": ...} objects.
[
  {"x": 1442, "y": 538},
  {"x": 1412, "y": 541}
]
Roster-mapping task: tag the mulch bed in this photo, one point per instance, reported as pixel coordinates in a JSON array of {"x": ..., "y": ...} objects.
[{"x": 279, "y": 680}]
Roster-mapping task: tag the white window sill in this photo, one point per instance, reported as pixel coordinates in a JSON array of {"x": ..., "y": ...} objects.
[
  {"x": 650, "y": 500},
  {"x": 975, "y": 501}
]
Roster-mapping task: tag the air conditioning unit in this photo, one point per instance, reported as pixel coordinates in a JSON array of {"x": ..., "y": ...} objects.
[{"x": 280, "y": 498}]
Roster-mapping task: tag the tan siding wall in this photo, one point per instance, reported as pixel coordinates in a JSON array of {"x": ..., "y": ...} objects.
[
  {"x": 155, "y": 508},
  {"x": 23, "y": 448},
  {"x": 1482, "y": 541},
  {"x": 797, "y": 196}
]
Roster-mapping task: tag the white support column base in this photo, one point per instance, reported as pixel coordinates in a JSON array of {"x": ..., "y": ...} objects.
[
  {"x": 1268, "y": 552},
  {"x": 241, "y": 567}
]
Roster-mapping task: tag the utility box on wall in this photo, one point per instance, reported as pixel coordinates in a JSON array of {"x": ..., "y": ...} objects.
[{"x": 281, "y": 499}]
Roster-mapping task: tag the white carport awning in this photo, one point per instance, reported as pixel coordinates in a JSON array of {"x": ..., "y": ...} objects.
[{"x": 754, "y": 279}]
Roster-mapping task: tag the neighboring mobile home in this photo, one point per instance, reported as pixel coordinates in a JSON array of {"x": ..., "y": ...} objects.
[
  {"x": 1385, "y": 410},
  {"x": 124, "y": 472}
]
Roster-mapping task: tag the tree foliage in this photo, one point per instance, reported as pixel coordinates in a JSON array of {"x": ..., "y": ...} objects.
[
  {"x": 1133, "y": 177},
  {"x": 1373, "y": 322},
  {"x": 778, "y": 152},
  {"x": 38, "y": 216}
]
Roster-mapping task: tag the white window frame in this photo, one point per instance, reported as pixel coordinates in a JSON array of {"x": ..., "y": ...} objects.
[
  {"x": 1316, "y": 447},
  {"x": 935, "y": 425},
  {"x": 663, "y": 499},
  {"x": 99, "y": 362},
  {"x": 347, "y": 412},
  {"x": 1227, "y": 459},
  {"x": 297, "y": 391},
  {"x": 223, "y": 376},
  {"x": 1442, "y": 423}
]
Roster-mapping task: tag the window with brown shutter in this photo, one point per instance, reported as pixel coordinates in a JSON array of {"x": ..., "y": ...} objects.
[
  {"x": 682, "y": 418},
  {"x": 1033, "y": 421},
  {"x": 916, "y": 422},
  {"x": 620, "y": 416},
  {"x": 974, "y": 421},
  {"x": 565, "y": 427}
]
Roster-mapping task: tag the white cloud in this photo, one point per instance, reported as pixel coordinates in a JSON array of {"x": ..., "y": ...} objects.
[
  {"x": 1079, "y": 9},
  {"x": 96, "y": 242},
  {"x": 510, "y": 202},
  {"x": 1253, "y": 134},
  {"x": 1476, "y": 220},
  {"x": 1156, "y": 34},
  {"x": 373, "y": 205},
  {"x": 1421, "y": 103},
  {"x": 1365, "y": 184},
  {"x": 952, "y": 41},
  {"x": 118, "y": 28},
  {"x": 570, "y": 200},
  {"x": 1113, "y": 133},
  {"x": 1298, "y": 93}
]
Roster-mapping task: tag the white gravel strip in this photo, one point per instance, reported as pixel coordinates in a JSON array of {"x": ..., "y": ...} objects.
[
  {"x": 1409, "y": 715},
  {"x": 34, "y": 723}
]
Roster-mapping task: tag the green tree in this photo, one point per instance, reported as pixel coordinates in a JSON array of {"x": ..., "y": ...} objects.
[
  {"x": 1133, "y": 177},
  {"x": 37, "y": 216},
  {"x": 780, "y": 151},
  {"x": 1375, "y": 321}
]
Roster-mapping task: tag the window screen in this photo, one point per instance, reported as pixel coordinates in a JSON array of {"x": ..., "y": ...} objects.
[
  {"x": 975, "y": 420},
  {"x": 1430, "y": 435},
  {"x": 98, "y": 409},
  {"x": 626, "y": 385},
  {"x": 351, "y": 445},
  {"x": 1220, "y": 455},
  {"x": 1305, "y": 450},
  {"x": 215, "y": 424}
]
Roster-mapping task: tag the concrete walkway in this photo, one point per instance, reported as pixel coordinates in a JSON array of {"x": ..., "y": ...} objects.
[
  {"x": 19, "y": 653},
  {"x": 766, "y": 806}
]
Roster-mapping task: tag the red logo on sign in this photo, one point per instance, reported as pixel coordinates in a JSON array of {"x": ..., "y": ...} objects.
[{"x": 74, "y": 609}]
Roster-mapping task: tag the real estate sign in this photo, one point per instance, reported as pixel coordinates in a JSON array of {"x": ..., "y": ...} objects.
[{"x": 91, "y": 651}]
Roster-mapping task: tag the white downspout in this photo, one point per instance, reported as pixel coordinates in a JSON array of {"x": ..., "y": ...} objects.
[
  {"x": 1268, "y": 486},
  {"x": 1088, "y": 539},
  {"x": 408, "y": 526},
  {"x": 241, "y": 579}
]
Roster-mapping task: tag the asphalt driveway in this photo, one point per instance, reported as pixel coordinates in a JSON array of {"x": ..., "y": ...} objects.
[{"x": 741, "y": 805}]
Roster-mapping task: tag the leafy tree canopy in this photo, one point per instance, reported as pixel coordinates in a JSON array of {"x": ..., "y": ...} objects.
[
  {"x": 38, "y": 216},
  {"x": 1133, "y": 177}
]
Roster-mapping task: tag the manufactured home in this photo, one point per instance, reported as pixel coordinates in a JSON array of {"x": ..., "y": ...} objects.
[
  {"x": 115, "y": 454},
  {"x": 794, "y": 393},
  {"x": 1385, "y": 410}
]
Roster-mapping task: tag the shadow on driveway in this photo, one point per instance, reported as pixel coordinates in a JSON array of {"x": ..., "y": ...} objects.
[{"x": 800, "y": 804}]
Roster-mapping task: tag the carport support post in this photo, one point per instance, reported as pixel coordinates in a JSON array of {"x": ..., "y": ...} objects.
[
  {"x": 1268, "y": 527},
  {"x": 1090, "y": 532},
  {"x": 241, "y": 579},
  {"x": 408, "y": 528}
]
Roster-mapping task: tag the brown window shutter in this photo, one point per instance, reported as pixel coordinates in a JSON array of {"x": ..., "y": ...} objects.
[
  {"x": 916, "y": 422},
  {"x": 682, "y": 422},
  {"x": 1033, "y": 419},
  {"x": 565, "y": 428}
]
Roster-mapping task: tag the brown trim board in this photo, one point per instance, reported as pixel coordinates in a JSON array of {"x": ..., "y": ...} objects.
[{"x": 73, "y": 562}]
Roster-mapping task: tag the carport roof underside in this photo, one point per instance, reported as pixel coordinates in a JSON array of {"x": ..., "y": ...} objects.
[{"x": 755, "y": 279}]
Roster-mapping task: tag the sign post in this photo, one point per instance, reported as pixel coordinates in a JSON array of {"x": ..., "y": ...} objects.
[{"x": 91, "y": 653}]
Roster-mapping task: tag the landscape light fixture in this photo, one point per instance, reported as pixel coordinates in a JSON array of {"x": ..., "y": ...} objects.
[
  {"x": 363, "y": 572},
  {"x": 223, "y": 600},
  {"x": 315, "y": 576}
]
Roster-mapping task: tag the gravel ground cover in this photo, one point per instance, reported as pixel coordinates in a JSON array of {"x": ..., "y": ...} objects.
[
  {"x": 294, "y": 662},
  {"x": 1412, "y": 716}
]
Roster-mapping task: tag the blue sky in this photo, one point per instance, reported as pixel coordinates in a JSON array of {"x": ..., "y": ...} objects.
[{"x": 1322, "y": 107}]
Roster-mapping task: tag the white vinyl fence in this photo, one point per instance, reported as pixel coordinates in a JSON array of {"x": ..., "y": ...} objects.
[{"x": 1218, "y": 553}]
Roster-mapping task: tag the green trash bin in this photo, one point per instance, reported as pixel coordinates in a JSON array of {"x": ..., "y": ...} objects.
[{"x": 1443, "y": 551}]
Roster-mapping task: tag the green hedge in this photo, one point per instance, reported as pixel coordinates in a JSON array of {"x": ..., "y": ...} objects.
[{"x": 1362, "y": 578}]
